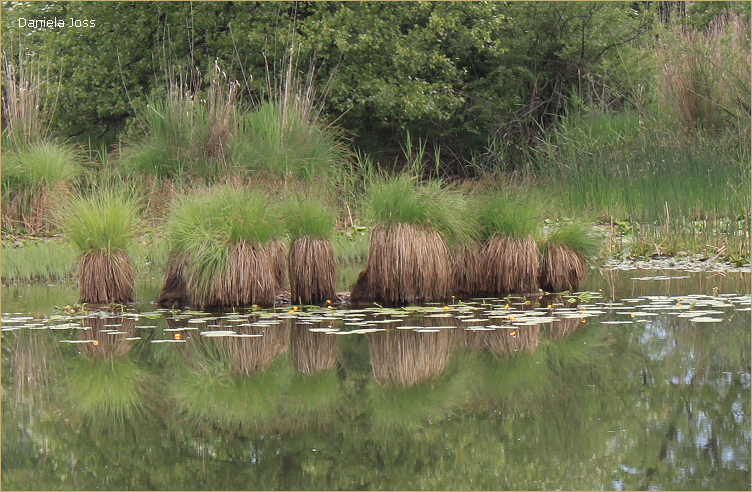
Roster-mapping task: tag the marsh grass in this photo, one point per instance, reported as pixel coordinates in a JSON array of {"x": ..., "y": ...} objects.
[
  {"x": 311, "y": 262},
  {"x": 38, "y": 261},
  {"x": 29, "y": 97},
  {"x": 703, "y": 78},
  {"x": 186, "y": 134},
  {"x": 33, "y": 176},
  {"x": 225, "y": 242},
  {"x": 506, "y": 259},
  {"x": 408, "y": 256},
  {"x": 565, "y": 252},
  {"x": 99, "y": 227}
]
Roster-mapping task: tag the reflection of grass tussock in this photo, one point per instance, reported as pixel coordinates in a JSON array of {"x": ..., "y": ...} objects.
[
  {"x": 230, "y": 400},
  {"x": 105, "y": 343},
  {"x": 249, "y": 355},
  {"x": 108, "y": 389},
  {"x": 510, "y": 341},
  {"x": 406, "y": 357},
  {"x": 563, "y": 327},
  {"x": 407, "y": 408},
  {"x": 310, "y": 352},
  {"x": 33, "y": 359}
]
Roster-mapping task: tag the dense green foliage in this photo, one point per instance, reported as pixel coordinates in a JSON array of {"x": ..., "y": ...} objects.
[{"x": 455, "y": 71}]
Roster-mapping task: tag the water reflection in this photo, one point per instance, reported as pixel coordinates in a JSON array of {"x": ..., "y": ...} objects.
[{"x": 639, "y": 392}]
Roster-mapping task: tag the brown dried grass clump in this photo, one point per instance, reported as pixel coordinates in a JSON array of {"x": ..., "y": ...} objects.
[
  {"x": 249, "y": 355},
  {"x": 105, "y": 278},
  {"x": 108, "y": 334},
  {"x": 562, "y": 269},
  {"x": 406, "y": 357},
  {"x": 254, "y": 275},
  {"x": 313, "y": 270},
  {"x": 468, "y": 270},
  {"x": 511, "y": 266},
  {"x": 509, "y": 341},
  {"x": 174, "y": 292},
  {"x": 405, "y": 264},
  {"x": 310, "y": 352}
]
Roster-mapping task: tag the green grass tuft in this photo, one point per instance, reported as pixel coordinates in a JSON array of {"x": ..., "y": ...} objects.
[
  {"x": 577, "y": 236},
  {"x": 515, "y": 217},
  {"x": 308, "y": 217},
  {"x": 402, "y": 200},
  {"x": 283, "y": 140},
  {"x": 39, "y": 165},
  {"x": 103, "y": 222}
]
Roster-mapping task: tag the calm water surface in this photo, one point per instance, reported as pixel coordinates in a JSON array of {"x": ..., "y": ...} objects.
[{"x": 642, "y": 384}]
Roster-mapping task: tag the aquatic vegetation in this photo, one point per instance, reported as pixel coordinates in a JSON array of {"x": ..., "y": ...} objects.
[
  {"x": 565, "y": 252},
  {"x": 509, "y": 228},
  {"x": 100, "y": 227},
  {"x": 225, "y": 244},
  {"x": 408, "y": 257},
  {"x": 311, "y": 262}
]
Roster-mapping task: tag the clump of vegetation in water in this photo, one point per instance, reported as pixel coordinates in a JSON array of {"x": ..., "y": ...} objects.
[
  {"x": 311, "y": 263},
  {"x": 565, "y": 252},
  {"x": 100, "y": 227},
  {"x": 408, "y": 258},
  {"x": 225, "y": 248},
  {"x": 509, "y": 227}
]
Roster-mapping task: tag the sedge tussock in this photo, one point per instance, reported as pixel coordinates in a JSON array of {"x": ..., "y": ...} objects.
[
  {"x": 312, "y": 270},
  {"x": 468, "y": 270},
  {"x": 405, "y": 357},
  {"x": 405, "y": 264},
  {"x": 561, "y": 269},
  {"x": 511, "y": 265},
  {"x": 105, "y": 277},
  {"x": 251, "y": 275}
]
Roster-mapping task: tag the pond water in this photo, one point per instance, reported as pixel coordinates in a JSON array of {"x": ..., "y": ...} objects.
[{"x": 641, "y": 382}]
